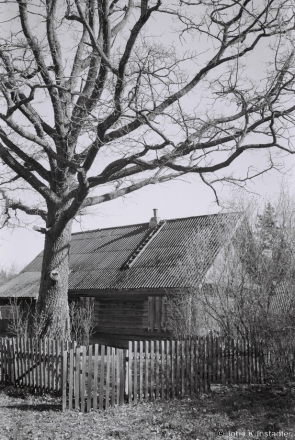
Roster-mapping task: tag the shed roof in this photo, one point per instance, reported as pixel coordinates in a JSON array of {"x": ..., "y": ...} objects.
[{"x": 159, "y": 257}]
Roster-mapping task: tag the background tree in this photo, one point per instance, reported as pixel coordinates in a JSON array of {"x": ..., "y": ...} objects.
[
  {"x": 249, "y": 291},
  {"x": 6, "y": 274},
  {"x": 94, "y": 108}
]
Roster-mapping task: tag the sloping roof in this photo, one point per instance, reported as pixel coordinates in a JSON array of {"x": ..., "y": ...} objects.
[
  {"x": 98, "y": 258},
  {"x": 25, "y": 285}
]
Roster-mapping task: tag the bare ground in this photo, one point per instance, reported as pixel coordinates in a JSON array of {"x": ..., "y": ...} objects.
[{"x": 227, "y": 413}]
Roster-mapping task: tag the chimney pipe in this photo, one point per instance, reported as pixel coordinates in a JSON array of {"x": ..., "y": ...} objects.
[{"x": 154, "y": 221}]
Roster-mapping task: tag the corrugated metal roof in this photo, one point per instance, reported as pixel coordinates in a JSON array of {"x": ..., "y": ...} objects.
[
  {"x": 96, "y": 257},
  {"x": 25, "y": 285}
]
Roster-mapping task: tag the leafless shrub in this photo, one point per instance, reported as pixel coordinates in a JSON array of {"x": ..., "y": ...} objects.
[
  {"x": 249, "y": 290},
  {"x": 82, "y": 322},
  {"x": 20, "y": 317}
]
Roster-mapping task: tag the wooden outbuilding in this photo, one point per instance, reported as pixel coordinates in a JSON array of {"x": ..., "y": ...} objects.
[{"x": 127, "y": 272}]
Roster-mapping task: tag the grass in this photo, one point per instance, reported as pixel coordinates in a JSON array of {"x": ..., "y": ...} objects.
[{"x": 237, "y": 412}]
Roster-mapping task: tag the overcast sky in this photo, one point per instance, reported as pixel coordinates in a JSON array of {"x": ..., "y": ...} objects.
[{"x": 182, "y": 198}]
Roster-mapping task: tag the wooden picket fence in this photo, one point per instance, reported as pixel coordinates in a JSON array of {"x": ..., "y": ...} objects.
[
  {"x": 35, "y": 364},
  {"x": 101, "y": 377}
]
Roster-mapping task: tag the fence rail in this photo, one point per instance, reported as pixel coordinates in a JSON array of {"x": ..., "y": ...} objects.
[{"x": 99, "y": 376}]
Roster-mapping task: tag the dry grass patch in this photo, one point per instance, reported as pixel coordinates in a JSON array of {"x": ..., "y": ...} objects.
[{"x": 244, "y": 412}]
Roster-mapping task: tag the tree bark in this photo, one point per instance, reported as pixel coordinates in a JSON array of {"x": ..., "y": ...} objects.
[{"x": 52, "y": 318}]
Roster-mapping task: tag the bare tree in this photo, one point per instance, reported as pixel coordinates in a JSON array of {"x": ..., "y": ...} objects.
[
  {"x": 248, "y": 291},
  {"x": 94, "y": 107}
]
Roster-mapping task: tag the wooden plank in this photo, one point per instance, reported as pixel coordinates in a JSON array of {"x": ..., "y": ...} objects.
[
  {"x": 168, "y": 370},
  {"x": 233, "y": 363},
  {"x": 201, "y": 363},
  {"x": 95, "y": 376},
  {"x": 192, "y": 373},
  {"x": 71, "y": 377},
  {"x": 157, "y": 368},
  {"x": 48, "y": 364},
  {"x": 218, "y": 352},
  {"x": 89, "y": 379},
  {"x": 18, "y": 360},
  {"x": 108, "y": 372},
  {"x": 52, "y": 357},
  {"x": 101, "y": 391},
  {"x": 43, "y": 364},
  {"x": 238, "y": 360},
  {"x": 209, "y": 360},
  {"x": 14, "y": 375},
  {"x": 188, "y": 366},
  {"x": 5, "y": 361},
  {"x": 152, "y": 371},
  {"x": 164, "y": 314},
  {"x": 135, "y": 372},
  {"x": 129, "y": 366},
  {"x": 118, "y": 365},
  {"x": 230, "y": 356},
  {"x": 29, "y": 353},
  {"x": 178, "y": 359},
  {"x": 146, "y": 391},
  {"x": 220, "y": 342},
  {"x": 122, "y": 356},
  {"x": 183, "y": 361},
  {"x": 163, "y": 369},
  {"x": 157, "y": 309},
  {"x": 22, "y": 363},
  {"x": 83, "y": 379},
  {"x": 173, "y": 369},
  {"x": 140, "y": 371},
  {"x": 57, "y": 366},
  {"x": 1, "y": 360},
  {"x": 3, "y": 351},
  {"x": 41, "y": 375},
  {"x": 151, "y": 313},
  {"x": 37, "y": 363},
  {"x": 77, "y": 378},
  {"x": 113, "y": 381},
  {"x": 64, "y": 366}
]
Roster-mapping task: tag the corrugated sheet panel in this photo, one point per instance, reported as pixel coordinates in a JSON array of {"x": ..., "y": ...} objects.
[
  {"x": 97, "y": 256},
  {"x": 25, "y": 285}
]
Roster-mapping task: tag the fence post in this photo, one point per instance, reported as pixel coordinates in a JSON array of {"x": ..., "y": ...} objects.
[{"x": 64, "y": 361}]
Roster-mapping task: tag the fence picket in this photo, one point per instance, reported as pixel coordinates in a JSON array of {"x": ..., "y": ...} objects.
[
  {"x": 83, "y": 379},
  {"x": 101, "y": 391},
  {"x": 172, "y": 369},
  {"x": 146, "y": 392},
  {"x": 107, "y": 379},
  {"x": 89, "y": 379},
  {"x": 168, "y": 370},
  {"x": 152, "y": 371},
  {"x": 147, "y": 370},
  {"x": 140, "y": 371},
  {"x": 157, "y": 369},
  {"x": 95, "y": 376},
  {"x": 64, "y": 366},
  {"x": 163, "y": 358},
  {"x": 129, "y": 373},
  {"x": 135, "y": 373},
  {"x": 71, "y": 377},
  {"x": 113, "y": 377},
  {"x": 122, "y": 375},
  {"x": 77, "y": 378}
]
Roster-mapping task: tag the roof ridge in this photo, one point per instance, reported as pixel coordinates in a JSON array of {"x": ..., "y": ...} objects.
[{"x": 146, "y": 223}]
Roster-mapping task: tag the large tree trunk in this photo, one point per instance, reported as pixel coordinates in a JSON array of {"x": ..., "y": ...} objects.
[{"x": 52, "y": 307}]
